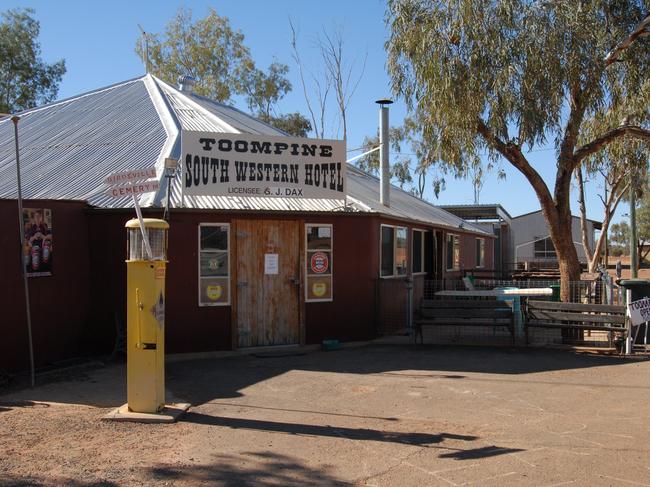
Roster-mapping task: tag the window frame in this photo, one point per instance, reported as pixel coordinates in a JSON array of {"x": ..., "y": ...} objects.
[
  {"x": 423, "y": 239},
  {"x": 546, "y": 251},
  {"x": 200, "y": 252},
  {"x": 457, "y": 236},
  {"x": 394, "y": 275},
  {"x": 330, "y": 274},
  {"x": 480, "y": 249}
]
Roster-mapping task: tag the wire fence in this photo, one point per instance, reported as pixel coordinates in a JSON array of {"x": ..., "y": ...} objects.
[{"x": 395, "y": 307}]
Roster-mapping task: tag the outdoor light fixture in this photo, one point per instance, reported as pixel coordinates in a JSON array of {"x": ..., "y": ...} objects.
[{"x": 171, "y": 165}]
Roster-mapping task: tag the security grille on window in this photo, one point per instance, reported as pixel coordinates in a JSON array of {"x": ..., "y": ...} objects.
[
  {"x": 480, "y": 252},
  {"x": 453, "y": 252},
  {"x": 394, "y": 251},
  {"x": 319, "y": 263},
  {"x": 214, "y": 264}
]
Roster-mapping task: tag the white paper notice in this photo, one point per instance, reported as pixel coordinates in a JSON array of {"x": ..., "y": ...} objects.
[{"x": 270, "y": 264}]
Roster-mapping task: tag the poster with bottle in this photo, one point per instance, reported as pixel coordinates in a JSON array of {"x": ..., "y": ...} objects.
[{"x": 37, "y": 242}]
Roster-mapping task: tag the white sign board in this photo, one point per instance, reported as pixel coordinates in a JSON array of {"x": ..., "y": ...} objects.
[
  {"x": 133, "y": 189},
  {"x": 219, "y": 164},
  {"x": 639, "y": 311},
  {"x": 131, "y": 176},
  {"x": 270, "y": 264}
]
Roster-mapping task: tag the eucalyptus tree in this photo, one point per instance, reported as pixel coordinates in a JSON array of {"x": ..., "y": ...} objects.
[
  {"x": 25, "y": 79},
  {"x": 214, "y": 53},
  {"x": 621, "y": 163},
  {"x": 504, "y": 76}
]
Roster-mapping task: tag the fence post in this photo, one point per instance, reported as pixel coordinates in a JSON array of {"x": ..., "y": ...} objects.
[
  {"x": 409, "y": 307},
  {"x": 628, "y": 324}
]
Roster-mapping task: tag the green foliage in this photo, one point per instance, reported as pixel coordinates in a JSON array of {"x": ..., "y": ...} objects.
[
  {"x": 213, "y": 53},
  {"x": 504, "y": 75},
  {"x": 619, "y": 234},
  {"x": 292, "y": 123},
  {"x": 513, "y": 64},
  {"x": 265, "y": 90},
  {"x": 25, "y": 79},
  {"x": 207, "y": 49}
]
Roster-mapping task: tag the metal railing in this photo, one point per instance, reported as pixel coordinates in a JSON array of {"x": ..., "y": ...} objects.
[{"x": 397, "y": 300}]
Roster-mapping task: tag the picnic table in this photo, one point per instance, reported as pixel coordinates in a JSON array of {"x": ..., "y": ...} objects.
[{"x": 507, "y": 294}]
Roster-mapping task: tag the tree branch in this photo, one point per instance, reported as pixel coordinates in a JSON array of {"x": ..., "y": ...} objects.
[
  {"x": 583, "y": 216},
  {"x": 514, "y": 156},
  {"x": 609, "y": 137}
]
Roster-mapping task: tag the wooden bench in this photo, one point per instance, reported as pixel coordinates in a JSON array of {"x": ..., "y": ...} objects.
[
  {"x": 464, "y": 312},
  {"x": 575, "y": 316}
]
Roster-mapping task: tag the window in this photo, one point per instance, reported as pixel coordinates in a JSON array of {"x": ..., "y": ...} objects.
[
  {"x": 480, "y": 252},
  {"x": 394, "y": 251},
  {"x": 453, "y": 252},
  {"x": 544, "y": 249},
  {"x": 214, "y": 264},
  {"x": 419, "y": 250},
  {"x": 319, "y": 263}
]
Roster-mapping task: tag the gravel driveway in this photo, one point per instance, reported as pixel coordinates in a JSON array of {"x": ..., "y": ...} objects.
[{"x": 376, "y": 415}]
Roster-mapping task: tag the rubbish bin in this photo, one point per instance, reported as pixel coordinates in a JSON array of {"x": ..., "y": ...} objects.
[
  {"x": 556, "y": 292},
  {"x": 640, "y": 288}
]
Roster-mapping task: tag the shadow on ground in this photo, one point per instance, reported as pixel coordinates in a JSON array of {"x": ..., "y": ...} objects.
[
  {"x": 267, "y": 469},
  {"x": 201, "y": 381},
  {"x": 406, "y": 438}
]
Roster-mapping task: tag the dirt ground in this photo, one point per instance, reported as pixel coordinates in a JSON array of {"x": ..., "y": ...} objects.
[{"x": 372, "y": 416}]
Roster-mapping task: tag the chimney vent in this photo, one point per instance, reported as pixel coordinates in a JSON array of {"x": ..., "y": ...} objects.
[
  {"x": 186, "y": 84},
  {"x": 384, "y": 144}
]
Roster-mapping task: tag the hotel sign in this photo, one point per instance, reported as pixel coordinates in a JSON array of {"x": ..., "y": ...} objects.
[{"x": 219, "y": 164}]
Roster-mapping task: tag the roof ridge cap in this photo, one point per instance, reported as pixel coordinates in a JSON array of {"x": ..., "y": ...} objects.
[{"x": 196, "y": 105}]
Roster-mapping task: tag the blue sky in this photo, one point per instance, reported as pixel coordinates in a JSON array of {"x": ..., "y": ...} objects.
[{"x": 97, "y": 41}]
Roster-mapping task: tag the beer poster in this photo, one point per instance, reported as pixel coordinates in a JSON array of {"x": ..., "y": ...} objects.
[{"x": 37, "y": 241}]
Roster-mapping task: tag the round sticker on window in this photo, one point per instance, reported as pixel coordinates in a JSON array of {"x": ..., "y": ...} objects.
[
  {"x": 319, "y": 289},
  {"x": 319, "y": 262},
  {"x": 214, "y": 292}
]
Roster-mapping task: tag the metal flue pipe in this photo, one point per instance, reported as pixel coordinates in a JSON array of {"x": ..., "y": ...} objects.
[{"x": 384, "y": 148}]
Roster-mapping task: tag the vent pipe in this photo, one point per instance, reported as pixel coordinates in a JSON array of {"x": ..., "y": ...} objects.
[
  {"x": 384, "y": 147},
  {"x": 186, "y": 84}
]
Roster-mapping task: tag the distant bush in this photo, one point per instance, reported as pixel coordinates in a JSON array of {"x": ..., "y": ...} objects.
[{"x": 616, "y": 251}]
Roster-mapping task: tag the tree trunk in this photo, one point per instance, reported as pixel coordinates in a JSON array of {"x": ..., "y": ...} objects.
[
  {"x": 592, "y": 257},
  {"x": 558, "y": 218},
  {"x": 569, "y": 263}
]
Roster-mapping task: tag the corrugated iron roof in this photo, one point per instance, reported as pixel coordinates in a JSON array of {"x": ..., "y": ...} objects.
[{"x": 67, "y": 148}]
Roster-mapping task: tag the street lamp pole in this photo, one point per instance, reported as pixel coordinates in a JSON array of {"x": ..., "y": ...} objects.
[{"x": 21, "y": 225}]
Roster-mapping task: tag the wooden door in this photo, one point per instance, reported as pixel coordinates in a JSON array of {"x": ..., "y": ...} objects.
[{"x": 268, "y": 303}]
